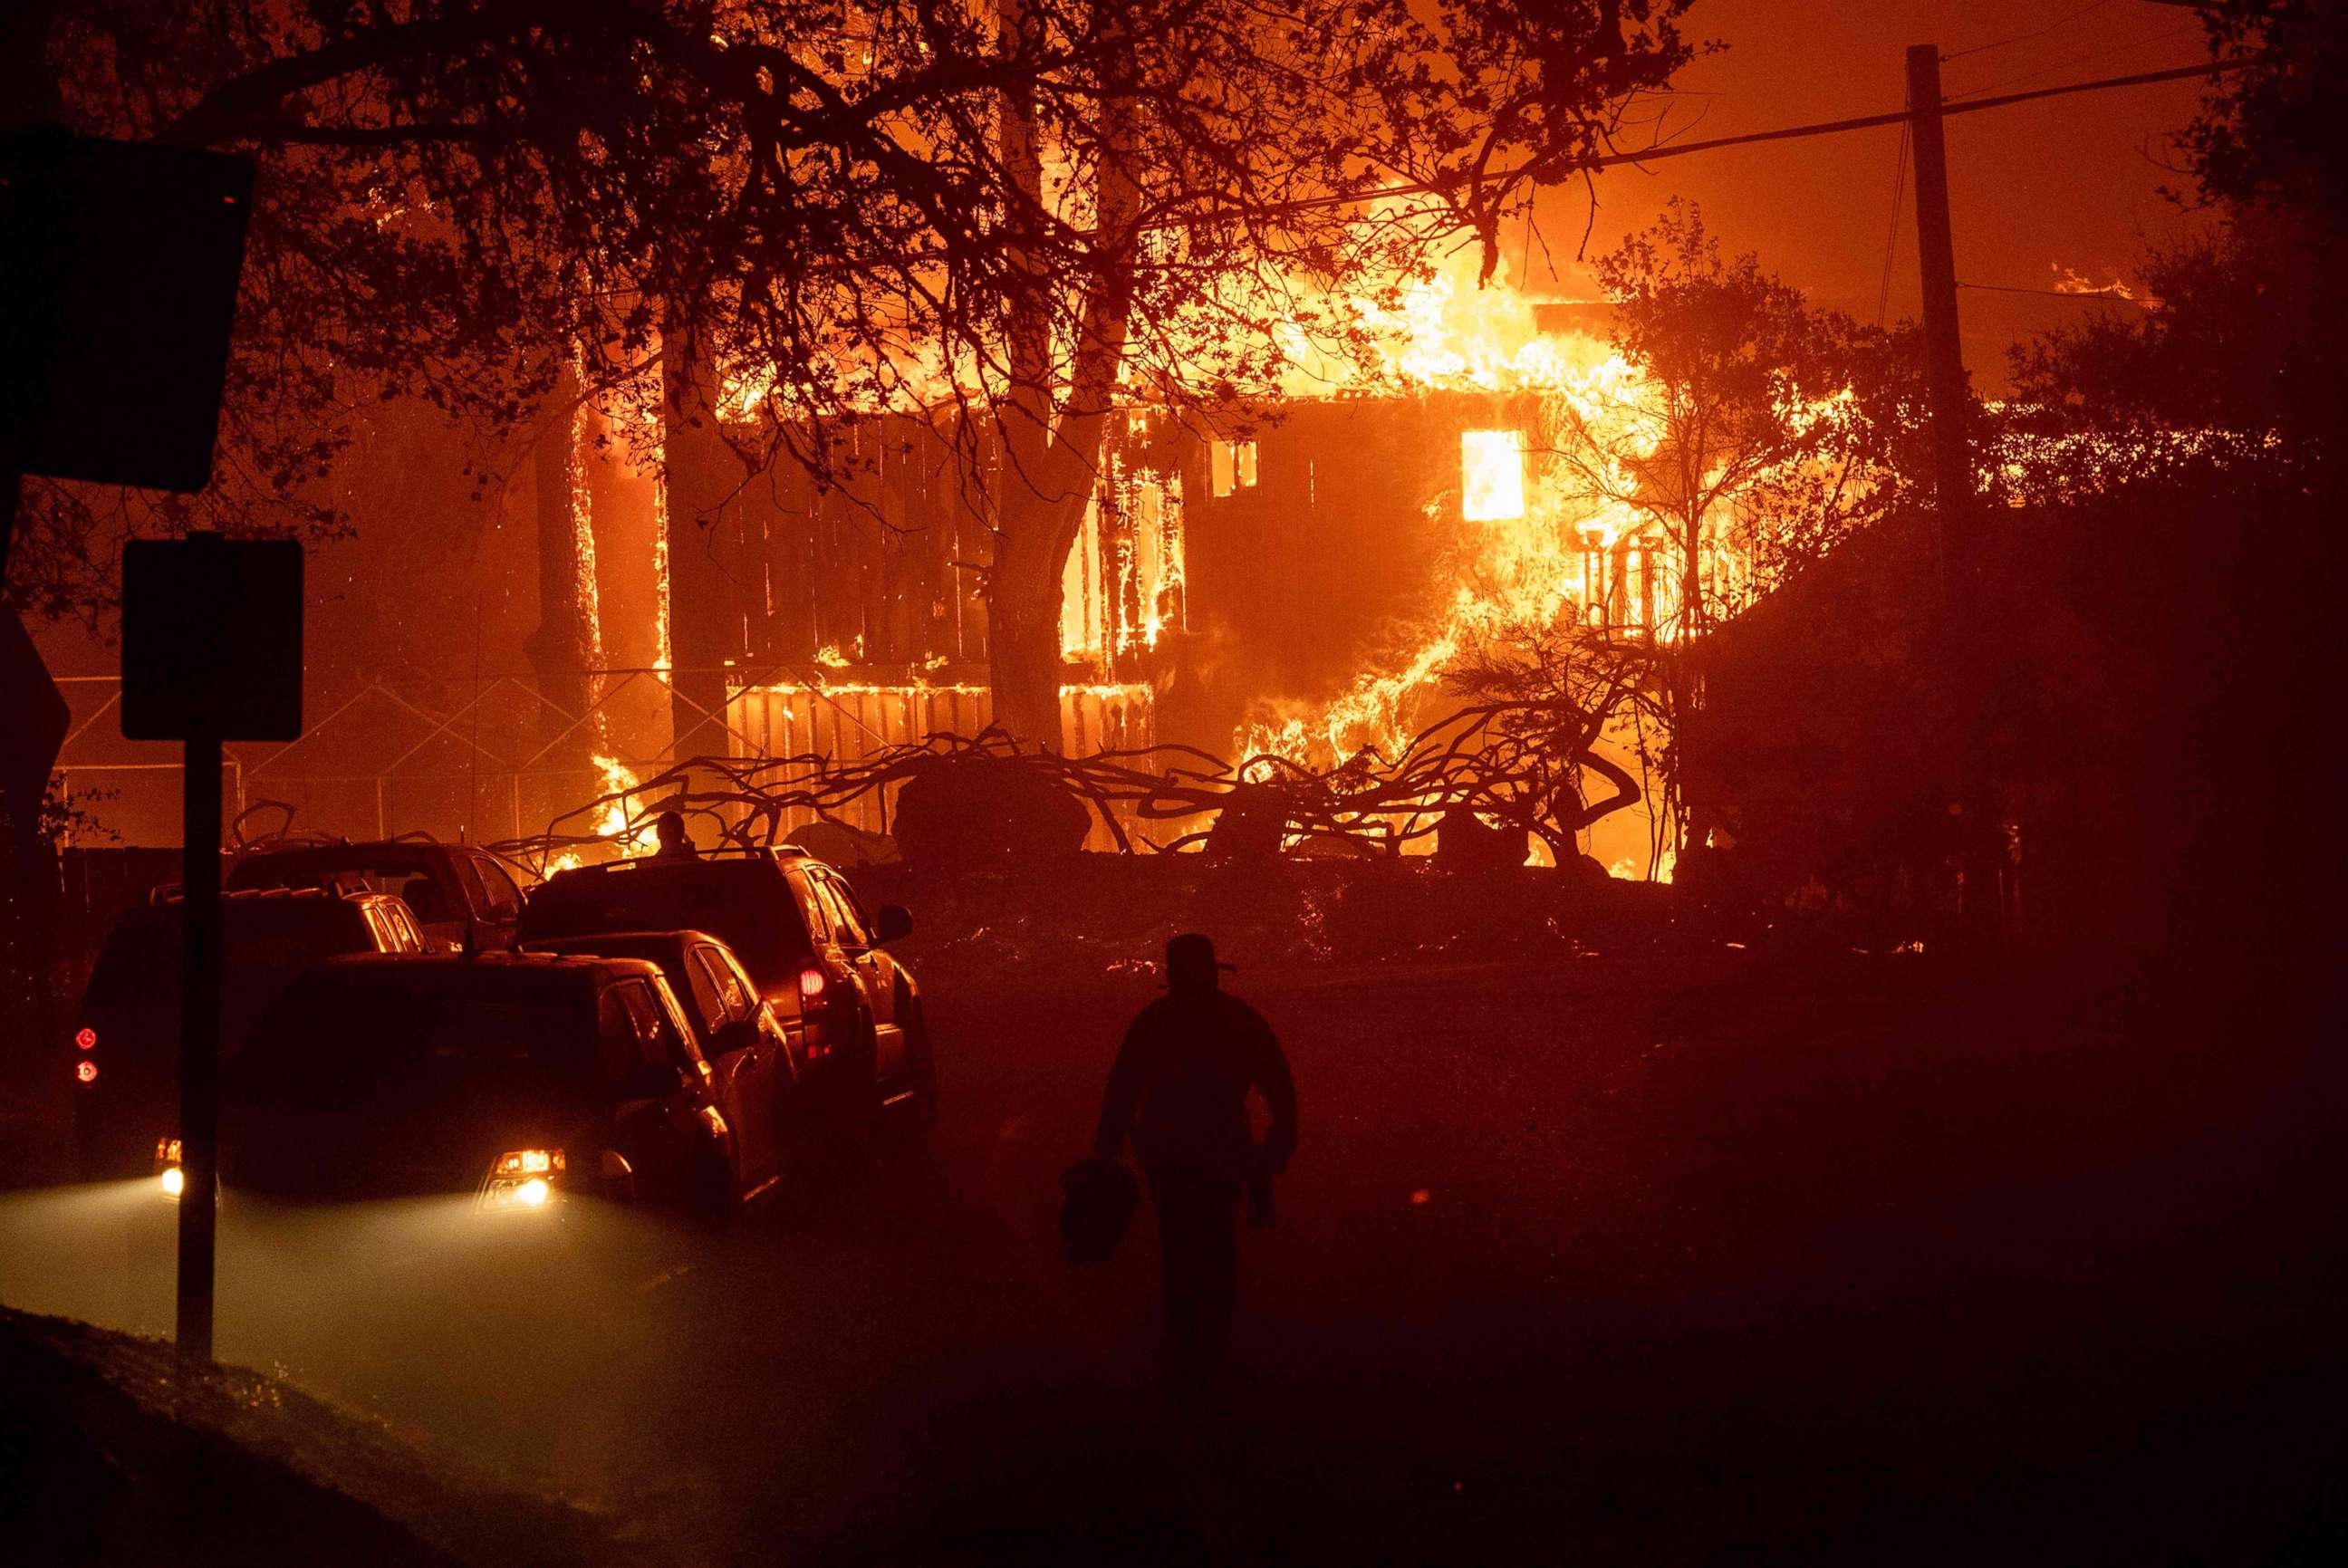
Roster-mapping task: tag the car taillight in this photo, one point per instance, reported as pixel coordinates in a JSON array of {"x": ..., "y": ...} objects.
[{"x": 817, "y": 999}]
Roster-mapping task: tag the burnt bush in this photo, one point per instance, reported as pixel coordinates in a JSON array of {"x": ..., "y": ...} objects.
[{"x": 973, "y": 809}]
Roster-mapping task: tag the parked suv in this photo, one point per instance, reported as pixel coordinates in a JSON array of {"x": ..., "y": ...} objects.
[
  {"x": 519, "y": 1081},
  {"x": 463, "y": 897},
  {"x": 127, "y": 1030},
  {"x": 851, "y": 1010}
]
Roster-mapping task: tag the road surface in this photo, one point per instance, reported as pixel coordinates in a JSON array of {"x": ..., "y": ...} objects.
[{"x": 1635, "y": 1259}]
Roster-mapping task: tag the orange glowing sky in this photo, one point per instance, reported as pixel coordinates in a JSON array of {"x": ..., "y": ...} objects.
[{"x": 2064, "y": 181}]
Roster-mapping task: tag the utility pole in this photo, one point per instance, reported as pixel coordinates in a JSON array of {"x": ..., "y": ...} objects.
[
  {"x": 1953, "y": 480},
  {"x": 1944, "y": 354}
]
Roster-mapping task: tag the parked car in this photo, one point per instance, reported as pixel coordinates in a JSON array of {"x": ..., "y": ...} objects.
[
  {"x": 740, "y": 1038},
  {"x": 521, "y": 1081},
  {"x": 851, "y": 1010},
  {"x": 126, "y": 1027},
  {"x": 721, "y": 1001},
  {"x": 464, "y": 897}
]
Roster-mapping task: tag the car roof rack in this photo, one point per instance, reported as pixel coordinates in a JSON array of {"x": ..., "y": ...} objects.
[{"x": 177, "y": 892}]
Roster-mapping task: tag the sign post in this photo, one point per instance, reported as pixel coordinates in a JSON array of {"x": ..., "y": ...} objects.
[{"x": 212, "y": 651}]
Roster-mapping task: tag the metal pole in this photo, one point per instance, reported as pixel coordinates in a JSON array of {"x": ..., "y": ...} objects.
[{"x": 199, "y": 1029}]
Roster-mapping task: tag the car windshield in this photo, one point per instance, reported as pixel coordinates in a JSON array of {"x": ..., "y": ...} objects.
[
  {"x": 337, "y": 1041},
  {"x": 746, "y": 903}
]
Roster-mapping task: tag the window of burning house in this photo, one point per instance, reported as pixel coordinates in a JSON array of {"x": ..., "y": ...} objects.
[
  {"x": 1121, "y": 589},
  {"x": 1491, "y": 475},
  {"x": 1230, "y": 464}
]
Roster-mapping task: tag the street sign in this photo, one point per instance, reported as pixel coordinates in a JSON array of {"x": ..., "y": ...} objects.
[
  {"x": 212, "y": 651},
  {"x": 118, "y": 266},
  {"x": 212, "y": 639}
]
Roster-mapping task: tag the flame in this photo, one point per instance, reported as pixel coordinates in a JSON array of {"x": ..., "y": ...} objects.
[
  {"x": 663, "y": 655},
  {"x": 1537, "y": 540},
  {"x": 1529, "y": 552},
  {"x": 1121, "y": 585},
  {"x": 2070, "y": 283},
  {"x": 612, "y": 821},
  {"x": 578, "y": 464}
]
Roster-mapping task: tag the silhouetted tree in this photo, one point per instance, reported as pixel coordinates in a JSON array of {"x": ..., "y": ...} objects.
[
  {"x": 1755, "y": 435},
  {"x": 1756, "y": 430},
  {"x": 2232, "y": 356},
  {"x": 1209, "y": 173},
  {"x": 1564, "y": 687},
  {"x": 810, "y": 214}
]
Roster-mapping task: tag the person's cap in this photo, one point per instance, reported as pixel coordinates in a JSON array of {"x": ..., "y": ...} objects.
[{"x": 1192, "y": 951}]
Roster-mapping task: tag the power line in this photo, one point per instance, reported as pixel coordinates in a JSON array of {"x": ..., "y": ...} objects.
[
  {"x": 2080, "y": 58},
  {"x": 2026, "y": 37},
  {"x": 1891, "y": 235},
  {"x": 1864, "y": 122},
  {"x": 1685, "y": 149},
  {"x": 2110, "y": 294}
]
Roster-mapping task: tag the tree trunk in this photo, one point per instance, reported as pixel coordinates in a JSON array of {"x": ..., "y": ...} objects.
[
  {"x": 697, "y": 479},
  {"x": 1023, "y": 620},
  {"x": 561, "y": 647},
  {"x": 1051, "y": 446}
]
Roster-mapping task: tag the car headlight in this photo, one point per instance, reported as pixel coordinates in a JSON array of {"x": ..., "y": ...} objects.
[
  {"x": 175, "y": 1181},
  {"x": 522, "y": 1179}
]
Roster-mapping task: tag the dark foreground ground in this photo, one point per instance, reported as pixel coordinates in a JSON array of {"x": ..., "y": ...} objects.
[{"x": 1848, "y": 1259}]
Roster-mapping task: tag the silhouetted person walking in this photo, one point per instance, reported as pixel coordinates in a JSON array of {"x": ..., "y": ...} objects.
[
  {"x": 675, "y": 843},
  {"x": 1180, "y": 1088}
]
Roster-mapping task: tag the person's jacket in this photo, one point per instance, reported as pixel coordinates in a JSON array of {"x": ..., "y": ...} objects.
[{"x": 1181, "y": 1086}]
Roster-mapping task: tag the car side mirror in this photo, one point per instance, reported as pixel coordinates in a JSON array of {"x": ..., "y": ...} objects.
[
  {"x": 893, "y": 921},
  {"x": 652, "y": 1080}
]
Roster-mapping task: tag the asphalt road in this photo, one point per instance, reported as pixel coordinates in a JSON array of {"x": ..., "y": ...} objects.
[{"x": 1614, "y": 1258}]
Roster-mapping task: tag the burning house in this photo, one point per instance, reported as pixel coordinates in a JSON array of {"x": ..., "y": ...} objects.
[
  {"x": 1294, "y": 584},
  {"x": 1295, "y": 581}
]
